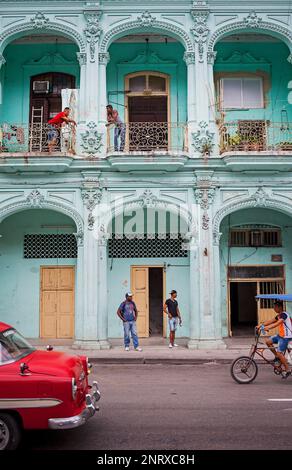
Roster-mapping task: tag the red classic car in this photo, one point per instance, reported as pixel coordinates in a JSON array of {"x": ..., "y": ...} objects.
[{"x": 41, "y": 389}]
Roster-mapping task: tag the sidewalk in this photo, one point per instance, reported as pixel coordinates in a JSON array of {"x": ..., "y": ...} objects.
[{"x": 156, "y": 351}]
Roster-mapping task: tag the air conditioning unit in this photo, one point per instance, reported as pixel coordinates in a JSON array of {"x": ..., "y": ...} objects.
[{"x": 41, "y": 86}]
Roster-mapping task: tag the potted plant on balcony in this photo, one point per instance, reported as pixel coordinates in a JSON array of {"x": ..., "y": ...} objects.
[{"x": 285, "y": 145}]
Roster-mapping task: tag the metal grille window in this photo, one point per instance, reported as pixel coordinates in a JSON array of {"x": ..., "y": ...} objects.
[
  {"x": 255, "y": 237},
  {"x": 256, "y": 272},
  {"x": 50, "y": 246},
  {"x": 142, "y": 247}
]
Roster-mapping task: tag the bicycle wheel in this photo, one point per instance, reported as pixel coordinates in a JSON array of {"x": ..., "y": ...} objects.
[{"x": 244, "y": 370}]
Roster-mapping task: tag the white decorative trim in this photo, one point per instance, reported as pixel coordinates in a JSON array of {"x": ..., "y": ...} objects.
[
  {"x": 91, "y": 197},
  {"x": 39, "y": 21},
  {"x": 259, "y": 199},
  {"x": 211, "y": 57},
  {"x": 146, "y": 19},
  {"x": 204, "y": 197},
  {"x": 200, "y": 31},
  {"x": 47, "y": 27},
  {"x": 203, "y": 139},
  {"x": 36, "y": 200},
  {"x": 92, "y": 32},
  {"x": 91, "y": 139},
  {"x": 265, "y": 26},
  {"x": 129, "y": 26},
  {"x": 289, "y": 58},
  {"x": 252, "y": 20}
]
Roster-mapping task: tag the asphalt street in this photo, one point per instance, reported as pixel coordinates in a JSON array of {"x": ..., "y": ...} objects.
[{"x": 180, "y": 407}]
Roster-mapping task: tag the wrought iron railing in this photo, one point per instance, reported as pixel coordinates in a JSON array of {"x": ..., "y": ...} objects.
[
  {"x": 255, "y": 135},
  {"x": 36, "y": 138},
  {"x": 147, "y": 136}
]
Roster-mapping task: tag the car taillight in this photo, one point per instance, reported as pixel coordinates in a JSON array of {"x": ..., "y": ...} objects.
[
  {"x": 74, "y": 388},
  {"x": 89, "y": 366}
]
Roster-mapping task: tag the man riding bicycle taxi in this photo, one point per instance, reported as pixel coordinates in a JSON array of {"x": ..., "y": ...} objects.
[{"x": 283, "y": 321}]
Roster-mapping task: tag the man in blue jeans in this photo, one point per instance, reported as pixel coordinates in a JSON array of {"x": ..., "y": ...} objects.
[{"x": 128, "y": 313}]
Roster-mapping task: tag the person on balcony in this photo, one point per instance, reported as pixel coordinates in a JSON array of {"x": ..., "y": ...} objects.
[
  {"x": 120, "y": 130},
  {"x": 55, "y": 125}
]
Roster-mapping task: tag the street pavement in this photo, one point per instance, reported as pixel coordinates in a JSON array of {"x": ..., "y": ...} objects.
[{"x": 167, "y": 406}]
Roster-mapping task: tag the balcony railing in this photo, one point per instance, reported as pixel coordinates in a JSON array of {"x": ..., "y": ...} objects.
[
  {"x": 255, "y": 135},
  {"x": 147, "y": 136},
  {"x": 36, "y": 138}
]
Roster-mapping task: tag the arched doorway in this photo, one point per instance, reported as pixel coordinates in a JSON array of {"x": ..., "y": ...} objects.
[
  {"x": 256, "y": 251},
  {"x": 37, "y": 263},
  {"x": 147, "y": 254},
  {"x": 46, "y": 95}
]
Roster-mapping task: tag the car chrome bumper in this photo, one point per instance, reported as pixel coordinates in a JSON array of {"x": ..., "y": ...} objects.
[{"x": 79, "y": 420}]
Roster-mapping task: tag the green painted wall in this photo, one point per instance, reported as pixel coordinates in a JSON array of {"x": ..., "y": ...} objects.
[
  {"x": 120, "y": 65},
  {"x": 19, "y": 69},
  {"x": 250, "y": 255},
  {"x": 20, "y": 278},
  {"x": 275, "y": 65}
]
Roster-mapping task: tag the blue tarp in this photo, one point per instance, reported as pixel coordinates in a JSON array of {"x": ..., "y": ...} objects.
[{"x": 284, "y": 297}]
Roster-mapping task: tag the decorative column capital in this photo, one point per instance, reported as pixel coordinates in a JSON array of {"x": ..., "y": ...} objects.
[
  {"x": 211, "y": 57},
  {"x": 189, "y": 58},
  {"x": 82, "y": 58},
  {"x": 79, "y": 236},
  {"x": 289, "y": 58},
  {"x": 92, "y": 31},
  {"x": 103, "y": 58},
  {"x": 216, "y": 238},
  {"x": 35, "y": 199}
]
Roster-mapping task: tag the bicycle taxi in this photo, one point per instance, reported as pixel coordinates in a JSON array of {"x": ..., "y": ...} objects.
[{"x": 244, "y": 369}]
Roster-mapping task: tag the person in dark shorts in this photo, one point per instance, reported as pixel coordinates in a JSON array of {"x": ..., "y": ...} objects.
[{"x": 174, "y": 317}]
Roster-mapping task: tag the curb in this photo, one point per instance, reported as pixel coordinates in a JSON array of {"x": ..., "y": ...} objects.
[{"x": 150, "y": 360}]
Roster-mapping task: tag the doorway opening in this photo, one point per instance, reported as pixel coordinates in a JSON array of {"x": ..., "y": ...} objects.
[
  {"x": 155, "y": 301},
  {"x": 148, "y": 287},
  {"x": 243, "y": 308},
  {"x": 147, "y": 102}
]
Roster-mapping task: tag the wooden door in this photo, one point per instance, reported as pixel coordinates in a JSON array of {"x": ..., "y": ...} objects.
[
  {"x": 57, "y": 302},
  {"x": 140, "y": 289}
]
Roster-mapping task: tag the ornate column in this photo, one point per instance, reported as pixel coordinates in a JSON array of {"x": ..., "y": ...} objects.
[
  {"x": 102, "y": 291},
  {"x": 91, "y": 332},
  {"x": 195, "y": 321},
  {"x": 82, "y": 59},
  {"x": 204, "y": 90},
  {"x": 208, "y": 291},
  {"x": 89, "y": 139},
  {"x": 190, "y": 60},
  {"x": 92, "y": 33},
  {"x": 104, "y": 59},
  {"x": 2, "y": 62}
]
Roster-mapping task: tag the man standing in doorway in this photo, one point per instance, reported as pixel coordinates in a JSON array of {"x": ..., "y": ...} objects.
[
  {"x": 55, "y": 125},
  {"x": 120, "y": 131},
  {"x": 174, "y": 316},
  {"x": 128, "y": 313}
]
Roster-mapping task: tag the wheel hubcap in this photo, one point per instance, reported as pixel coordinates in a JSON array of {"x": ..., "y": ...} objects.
[{"x": 4, "y": 435}]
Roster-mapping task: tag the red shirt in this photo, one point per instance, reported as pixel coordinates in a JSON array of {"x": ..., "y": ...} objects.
[{"x": 58, "y": 119}]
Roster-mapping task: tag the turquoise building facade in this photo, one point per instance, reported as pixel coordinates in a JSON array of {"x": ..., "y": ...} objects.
[{"x": 197, "y": 199}]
